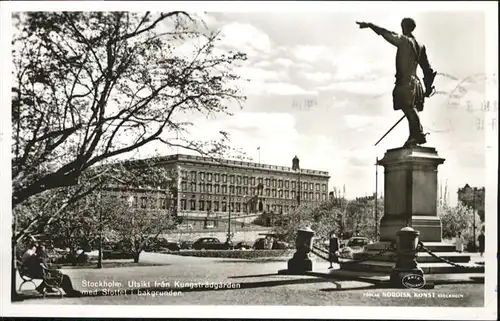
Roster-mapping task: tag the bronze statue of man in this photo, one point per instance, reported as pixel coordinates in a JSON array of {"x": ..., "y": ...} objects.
[{"x": 408, "y": 94}]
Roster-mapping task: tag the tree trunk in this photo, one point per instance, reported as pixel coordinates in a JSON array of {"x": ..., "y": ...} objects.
[{"x": 136, "y": 256}]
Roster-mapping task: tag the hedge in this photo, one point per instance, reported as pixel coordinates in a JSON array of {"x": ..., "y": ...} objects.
[{"x": 234, "y": 254}]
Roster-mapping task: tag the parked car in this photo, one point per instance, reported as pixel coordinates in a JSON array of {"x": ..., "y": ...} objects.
[
  {"x": 211, "y": 243},
  {"x": 243, "y": 246},
  {"x": 353, "y": 245},
  {"x": 280, "y": 245},
  {"x": 108, "y": 254},
  {"x": 186, "y": 245},
  {"x": 259, "y": 243},
  {"x": 162, "y": 244}
]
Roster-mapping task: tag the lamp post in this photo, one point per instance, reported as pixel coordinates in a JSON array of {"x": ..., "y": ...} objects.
[
  {"x": 229, "y": 219},
  {"x": 376, "y": 199},
  {"x": 99, "y": 258},
  {"x": 474, "y": 217}
]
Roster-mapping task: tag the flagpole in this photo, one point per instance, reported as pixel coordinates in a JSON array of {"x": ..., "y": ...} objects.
[{"x": 258, "y": 148}]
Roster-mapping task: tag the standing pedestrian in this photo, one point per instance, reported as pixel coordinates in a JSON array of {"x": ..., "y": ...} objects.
[
  {"x": 333, "y": 249},
  {"x": 480, "y": 240},
  {"x": 459, "y": 243}
]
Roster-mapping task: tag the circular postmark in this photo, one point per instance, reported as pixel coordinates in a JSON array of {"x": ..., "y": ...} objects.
[{"x": 413, "y": 281}]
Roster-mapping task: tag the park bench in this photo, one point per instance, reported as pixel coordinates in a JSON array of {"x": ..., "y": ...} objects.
[{"x": 51, "y": 277}]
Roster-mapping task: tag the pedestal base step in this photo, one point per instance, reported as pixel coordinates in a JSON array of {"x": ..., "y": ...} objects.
[
  {"x": 422, "y": 257},
  {"x": 433, "y": 246},
  {"x": 428, "y": 268}
]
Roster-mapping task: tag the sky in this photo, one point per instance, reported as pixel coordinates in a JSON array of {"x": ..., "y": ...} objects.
[{"x": 320, "y": 88}]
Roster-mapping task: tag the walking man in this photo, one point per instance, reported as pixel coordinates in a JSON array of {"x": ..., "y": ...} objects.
[
  {"x": 459, "y": 243},
  {"x": 408, "y": 94},
  {"x": 333, "y": 249},
  {"x": 480, "y": 240}
]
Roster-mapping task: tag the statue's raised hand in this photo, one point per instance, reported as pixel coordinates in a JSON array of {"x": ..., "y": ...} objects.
[{"x": 363, "y": 25}]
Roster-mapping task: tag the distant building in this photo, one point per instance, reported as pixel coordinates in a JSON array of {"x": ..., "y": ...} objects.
[{"x": 208, "y": 189}]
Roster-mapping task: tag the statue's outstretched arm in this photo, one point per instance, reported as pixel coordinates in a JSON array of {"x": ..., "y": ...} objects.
[{"x": 391, "y": 37}]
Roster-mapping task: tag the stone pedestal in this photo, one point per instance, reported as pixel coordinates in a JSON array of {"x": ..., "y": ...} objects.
[
  {"x": 410, "y": 198},
  {"x": 410, "y": 193}
]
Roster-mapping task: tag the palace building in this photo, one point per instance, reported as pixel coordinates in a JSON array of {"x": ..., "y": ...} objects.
[{"x": 210, "y": 191}]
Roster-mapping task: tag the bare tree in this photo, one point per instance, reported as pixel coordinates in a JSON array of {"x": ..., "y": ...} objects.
[{"x": 90, "y": 86}]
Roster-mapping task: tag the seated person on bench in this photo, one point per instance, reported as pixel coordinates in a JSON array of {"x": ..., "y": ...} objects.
[{"x": 35, "y": 265}]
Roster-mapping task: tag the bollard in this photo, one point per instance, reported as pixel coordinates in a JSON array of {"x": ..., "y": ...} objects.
[
  {"x": 406, "y": 253},
  {"x": 300, "y": 262}
]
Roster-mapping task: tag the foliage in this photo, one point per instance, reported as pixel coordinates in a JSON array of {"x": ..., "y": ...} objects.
[
  {"x": 473, "y": 199},
  {"x": 79, "y": 223},
  {"x": 344, "y": 217},
  {"x": 91, "y": 86},
  {"x": 138, "y": 227},
  {"x": 456, "y": 219}
]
